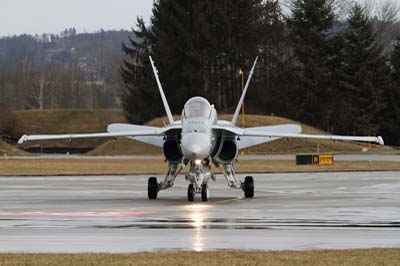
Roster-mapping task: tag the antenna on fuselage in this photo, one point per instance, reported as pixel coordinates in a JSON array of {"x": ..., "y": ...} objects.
[
  {"x": 164, "y": 99},
  {"x": 237, "y": 112}
]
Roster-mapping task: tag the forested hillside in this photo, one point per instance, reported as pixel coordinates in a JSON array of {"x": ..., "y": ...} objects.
[{"x": 67, "y": 70}]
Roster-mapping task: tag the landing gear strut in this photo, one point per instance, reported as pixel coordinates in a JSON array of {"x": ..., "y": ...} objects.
[
  {"x": 248, "y": 187},
  {"x": 152, "y": 188}
]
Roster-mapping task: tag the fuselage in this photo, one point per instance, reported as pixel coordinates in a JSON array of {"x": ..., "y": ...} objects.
[{"x": 198, "y": 138}]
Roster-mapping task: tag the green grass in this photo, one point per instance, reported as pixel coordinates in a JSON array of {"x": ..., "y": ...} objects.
[
  {"x": 9, "y": 150},
  {"x": 67, "y": 121},
  {"x": 370, "y": 257}
]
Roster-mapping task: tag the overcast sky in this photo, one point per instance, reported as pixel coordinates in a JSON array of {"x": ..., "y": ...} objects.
[{"x": 52, "y": 16}]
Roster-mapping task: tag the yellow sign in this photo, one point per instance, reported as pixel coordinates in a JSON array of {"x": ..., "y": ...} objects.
[{"x": 326, "y": 160}]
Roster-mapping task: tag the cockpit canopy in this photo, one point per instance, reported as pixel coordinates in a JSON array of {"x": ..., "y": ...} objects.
[{"x": 197, "y": 107}]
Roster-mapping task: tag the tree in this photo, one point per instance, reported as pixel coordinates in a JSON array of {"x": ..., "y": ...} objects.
[
  {"x": 310, "y": 25},
  {"x": 139, "y": 98},
  {"x": 274, "y": 77},
  {"x": 390, "y": 128},
  {"x": 365, "y": 74},
  {"x": 395, "y": 60},
  {"x": 198, "y": 47}
]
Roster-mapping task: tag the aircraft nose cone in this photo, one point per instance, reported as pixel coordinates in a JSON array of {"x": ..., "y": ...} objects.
[
  {"x": 194, "y": 151},
  {"x": 195, "y": 146}
]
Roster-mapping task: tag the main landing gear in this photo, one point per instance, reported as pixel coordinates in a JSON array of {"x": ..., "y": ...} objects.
[
  {"x": 248, "y": 187},
  {"x": 152, "y": 188}
]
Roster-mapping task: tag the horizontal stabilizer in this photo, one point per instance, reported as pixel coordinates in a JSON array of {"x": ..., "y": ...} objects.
[
  {"x": 246, "y": 142},
  {"x": 157, "y": 141}
]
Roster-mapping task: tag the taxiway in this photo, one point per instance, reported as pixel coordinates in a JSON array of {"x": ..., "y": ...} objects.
[{"x": 113, "y": 214}]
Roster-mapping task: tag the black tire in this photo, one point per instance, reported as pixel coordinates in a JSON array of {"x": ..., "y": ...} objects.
[
  {"x": 191, "y": 192},
  {"x": 152, "y": 188},
  {"x": 248, "y": 187},
  {"x": 204, "y": 192}
]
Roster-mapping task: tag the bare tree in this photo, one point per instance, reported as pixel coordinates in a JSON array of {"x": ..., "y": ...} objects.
[
  {"x": 39, "y": 90},
  {"x": 387, "y": 13},
  {"x": 340, "y": 7},
  {"x": 24, "y": 78}
]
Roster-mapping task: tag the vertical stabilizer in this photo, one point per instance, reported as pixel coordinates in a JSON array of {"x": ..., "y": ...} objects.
[
  {"x": 237, "y": 112},
  {"x": 164, "y": 99}
]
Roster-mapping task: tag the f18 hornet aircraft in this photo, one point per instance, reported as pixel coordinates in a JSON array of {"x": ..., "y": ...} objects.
[{"x": 199, "y": 141}]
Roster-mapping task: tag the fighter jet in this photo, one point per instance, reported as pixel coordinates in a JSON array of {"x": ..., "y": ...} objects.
[{"x": 199, "y": 142}]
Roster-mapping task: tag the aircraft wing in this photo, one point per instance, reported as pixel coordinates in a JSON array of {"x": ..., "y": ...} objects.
[
  {"x": 259, "y": 133},
  {"x": 138, "y": 131}
]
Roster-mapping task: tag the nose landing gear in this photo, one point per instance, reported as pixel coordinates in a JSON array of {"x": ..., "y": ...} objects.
[
  {"x": 204, "y": 191},
  {"x": 191, "y": 192}
]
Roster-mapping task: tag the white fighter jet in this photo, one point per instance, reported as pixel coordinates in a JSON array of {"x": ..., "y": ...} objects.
[{"x": 200, "y": 141}]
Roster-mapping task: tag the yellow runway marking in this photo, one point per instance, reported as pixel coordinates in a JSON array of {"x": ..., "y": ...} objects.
[{"x": 226, "y": 201}]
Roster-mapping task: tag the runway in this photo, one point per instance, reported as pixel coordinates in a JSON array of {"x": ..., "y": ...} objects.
[{"x": 113, "y": 214}]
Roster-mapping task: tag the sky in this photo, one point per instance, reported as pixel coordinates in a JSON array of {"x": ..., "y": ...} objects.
[{"x": 53, "y": 16}]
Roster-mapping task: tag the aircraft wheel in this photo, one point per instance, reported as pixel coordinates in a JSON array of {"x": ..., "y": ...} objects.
[
  {"x": 152, "y": 188},
  {"x": 191, "y": 192},
  {"x": 204, "y": 192},
  {"x": 248, "y": 187}
]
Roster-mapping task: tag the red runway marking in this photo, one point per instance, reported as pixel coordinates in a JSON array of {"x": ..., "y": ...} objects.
[{"x": 77, "y": 213}]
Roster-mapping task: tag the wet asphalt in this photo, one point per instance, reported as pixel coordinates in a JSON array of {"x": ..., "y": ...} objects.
[{"x": 112, "y": 214}]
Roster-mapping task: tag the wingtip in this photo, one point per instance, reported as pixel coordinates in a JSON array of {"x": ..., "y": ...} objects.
[
  {"x": 22, "y": 139},
  {"x": 380, "y": 141}
]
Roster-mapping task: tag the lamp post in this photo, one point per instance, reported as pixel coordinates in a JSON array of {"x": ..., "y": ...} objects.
[{"x": 241, "y": 73}]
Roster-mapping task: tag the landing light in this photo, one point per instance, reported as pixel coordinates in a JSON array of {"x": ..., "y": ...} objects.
[{"x": 198, "y": 162}]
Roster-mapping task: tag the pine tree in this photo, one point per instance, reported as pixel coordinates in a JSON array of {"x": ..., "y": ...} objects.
[
  {"x": 310, "y": 24},
  {"x": 198, "y": 47},
  {"x": 365, "y": 74},
  {"x": 395, "y": 60},
  {"x": 275, "y": 72},
  {"x": 139, "y": 99},
  {"x": 390, "y": 128}
]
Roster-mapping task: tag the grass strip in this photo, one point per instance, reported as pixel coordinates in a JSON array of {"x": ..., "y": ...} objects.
[
  {"x": 368, "y": 257},
  {"x": 49, "y": 167}
]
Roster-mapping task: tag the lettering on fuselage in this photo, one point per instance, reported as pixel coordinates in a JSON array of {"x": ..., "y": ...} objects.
[{"x": 196, "y": 122}]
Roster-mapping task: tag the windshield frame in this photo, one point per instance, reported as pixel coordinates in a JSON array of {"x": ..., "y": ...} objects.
[{"x": 197, "y": 108}]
